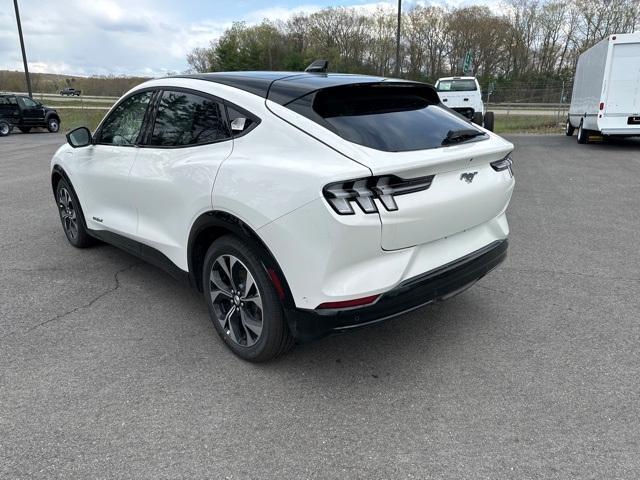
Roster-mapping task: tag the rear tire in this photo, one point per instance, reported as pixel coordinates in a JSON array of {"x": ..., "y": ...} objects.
[
  {"x": 583, "y": 134},
  {"x": 71, "y": 216},
  {"x": 24, "y": 129},
  {"x": 242, "y": 301},
  {"x": 569, "y": 129},
  {"x": 489, "y": 121},
  {"x": 5, "y": 128},
  {"x": 477, "y": 118}
]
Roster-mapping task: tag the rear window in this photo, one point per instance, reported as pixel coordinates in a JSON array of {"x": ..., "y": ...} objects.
[
  {"x": 457, "y": 85},
  {"x": 391, "y": 118}
]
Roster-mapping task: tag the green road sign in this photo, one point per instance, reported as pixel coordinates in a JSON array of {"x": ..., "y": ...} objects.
[{"x": 467, "y": 65}]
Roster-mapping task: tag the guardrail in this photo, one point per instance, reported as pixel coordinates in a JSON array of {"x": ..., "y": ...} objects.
[
  {"x": 530, "y": 106},
  {"x": 57, "y": 96}
]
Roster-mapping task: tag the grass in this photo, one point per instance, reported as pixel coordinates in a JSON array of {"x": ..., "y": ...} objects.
[
  {"x": 76, "y": 117},
  {"x": 71, "y": 118},
  {"x": 527, "y": 124},
  {"x": 79, "y": 105}
]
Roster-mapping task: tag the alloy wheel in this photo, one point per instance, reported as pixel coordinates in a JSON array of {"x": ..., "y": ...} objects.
[
  {"x": 68, "y": 213},
  {"x": 4, "y": 129},
  {"x": 53, "y": 125},
  {"x": 236, "y": 299}
]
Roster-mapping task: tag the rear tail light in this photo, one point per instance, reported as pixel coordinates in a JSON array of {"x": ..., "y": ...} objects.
[
  {"x": 601, "y": 105},
  {"x": 502, "y": 164},
  {"x": 364, "y": 191},
  {"x": 358, "y": 302}
]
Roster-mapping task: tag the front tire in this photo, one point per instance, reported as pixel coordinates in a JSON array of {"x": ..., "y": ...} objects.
[
  {"x": 477, "y": 118},
  {"x": 53, "y": 125},
  {"x": 71, "y": 216},
  {"x": 243, "y": 303}
]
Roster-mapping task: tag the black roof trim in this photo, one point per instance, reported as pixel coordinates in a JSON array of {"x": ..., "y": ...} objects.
[
  {"x": 257, "y": 83},
  {"x": 283, "y": 87}
]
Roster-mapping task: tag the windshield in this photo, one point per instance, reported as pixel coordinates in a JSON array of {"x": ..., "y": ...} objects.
[
  {"x": 391, "y": 118},
  {"x": 468, "y": 85}
]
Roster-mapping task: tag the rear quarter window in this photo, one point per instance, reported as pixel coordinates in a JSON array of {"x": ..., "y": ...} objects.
[
  {"x": 387, "y": 117},
  {"x": 457, "y": 86}
]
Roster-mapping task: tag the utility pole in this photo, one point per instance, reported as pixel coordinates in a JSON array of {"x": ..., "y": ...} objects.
[
  {"x": 24, "y": 53},
  {"x": 396, "y": 71}
]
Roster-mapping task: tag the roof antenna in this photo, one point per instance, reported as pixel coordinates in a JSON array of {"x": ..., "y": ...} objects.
[{"x": 318, "y": 66}]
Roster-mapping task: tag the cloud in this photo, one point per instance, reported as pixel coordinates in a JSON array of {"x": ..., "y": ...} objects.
[
  {"x": 141, "y": 37},
  {"x": 279, "y": 13}
]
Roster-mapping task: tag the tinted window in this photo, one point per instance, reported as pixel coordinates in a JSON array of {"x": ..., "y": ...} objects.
[
  {"x": 392, "y": 119},
  {"x": 457, "y": 85},
  {"x": 122, "y": 126},
  {"x": 26, "y": 102},
  {"x": 240, "y": 122},
  {"x": 187, "y": 119}
]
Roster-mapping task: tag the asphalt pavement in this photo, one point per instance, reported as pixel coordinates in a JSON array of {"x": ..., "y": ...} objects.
[{"x": 111, "y": 369}]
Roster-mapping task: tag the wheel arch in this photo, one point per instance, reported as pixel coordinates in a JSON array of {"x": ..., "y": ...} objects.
[
  {"x": 52, "y": 114},
  {"x": 57, "y": 174},
  {"x": 212, "y": 225}
]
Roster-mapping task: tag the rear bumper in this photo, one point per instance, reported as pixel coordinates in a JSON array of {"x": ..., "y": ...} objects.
[
  {"x": 465, "y": 111},
  {"x": 439, "y": 284},
  {"x": 622, "y": 132}
]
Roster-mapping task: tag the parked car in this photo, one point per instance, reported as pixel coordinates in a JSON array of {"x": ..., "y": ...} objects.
[
  {"x": 463, "y": 95},
  {"x": 606, "y": 89},
  {"x": 300, "y": 204},
  {"x": 25, "y": 113},
  {"x": 70, "y": 92}
]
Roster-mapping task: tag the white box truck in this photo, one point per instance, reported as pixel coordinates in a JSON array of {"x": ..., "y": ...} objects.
[{"x": 606, "y": 89}]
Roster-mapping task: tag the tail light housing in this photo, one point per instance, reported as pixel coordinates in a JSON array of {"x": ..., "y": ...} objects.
[
  {"x": 364, "y": 191},
  {"x": 502, "y": 164}
]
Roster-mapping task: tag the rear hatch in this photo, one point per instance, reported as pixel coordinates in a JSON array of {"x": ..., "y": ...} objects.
[
  {"x": 623, "y": 98},
  {"x": 401, "y": 133}
]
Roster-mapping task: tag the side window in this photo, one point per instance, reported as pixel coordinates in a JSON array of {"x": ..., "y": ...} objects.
[
  {"x": 187, "y": 119},
  {"x": 240, "y": 122},
  {"x": 123, "y": 125},
  {"x": 26, "y": 102}
]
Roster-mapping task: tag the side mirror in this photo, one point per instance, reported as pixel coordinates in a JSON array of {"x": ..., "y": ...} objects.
[{"x": 79, "y": 137}]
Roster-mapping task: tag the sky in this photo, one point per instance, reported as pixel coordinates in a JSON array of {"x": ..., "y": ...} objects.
[{"x": 138, "y": 37}]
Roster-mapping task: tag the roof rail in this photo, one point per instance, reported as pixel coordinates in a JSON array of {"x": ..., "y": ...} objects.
[{"x": 318, "y": 66}]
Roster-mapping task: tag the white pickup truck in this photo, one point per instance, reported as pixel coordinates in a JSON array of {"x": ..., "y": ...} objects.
[{"x": 463, "y": 95}]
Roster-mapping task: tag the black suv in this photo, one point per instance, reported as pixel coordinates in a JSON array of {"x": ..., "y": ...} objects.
[{"x": 25, "y": 113}]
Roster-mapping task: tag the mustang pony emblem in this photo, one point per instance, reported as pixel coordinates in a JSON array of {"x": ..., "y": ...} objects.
[{"x": 468, "y": 177}]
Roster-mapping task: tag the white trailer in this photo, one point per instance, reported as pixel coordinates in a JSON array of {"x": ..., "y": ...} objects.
[{"x": 606, "y": 89}]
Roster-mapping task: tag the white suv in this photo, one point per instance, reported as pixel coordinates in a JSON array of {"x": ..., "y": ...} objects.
[{"x": 300, "y": 204}]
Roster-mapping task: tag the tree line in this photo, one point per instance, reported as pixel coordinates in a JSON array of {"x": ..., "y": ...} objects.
[
  {"x": 11, "y": 81},
  {"x": 523, "y": 41}
]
